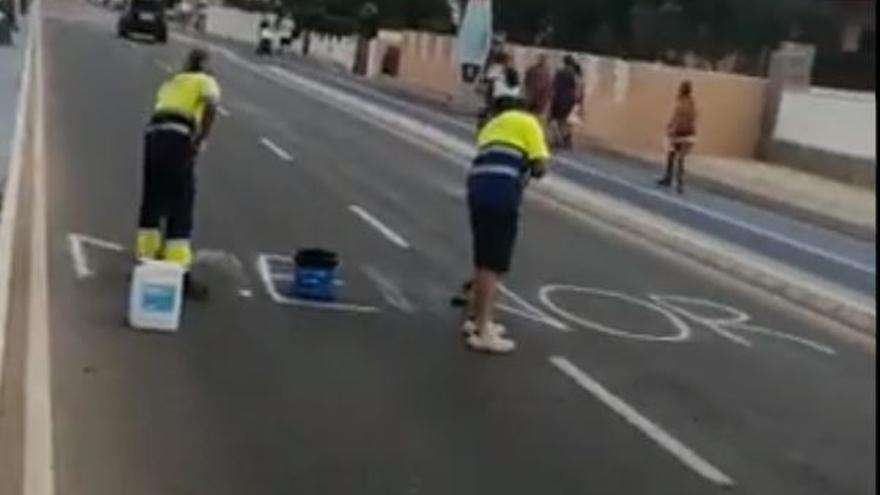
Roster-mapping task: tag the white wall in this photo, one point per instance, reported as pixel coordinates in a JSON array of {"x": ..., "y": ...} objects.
[
  {"x": 233, "y": 24},
  {"x": 839, "y": 122},
  {"x": 243, "y": 26},
  {"x": 340, "y": 51}
]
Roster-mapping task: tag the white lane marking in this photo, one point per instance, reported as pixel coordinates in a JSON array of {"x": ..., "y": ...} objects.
[
  {"x": 274, "y": 148},
  {"x": 383, "y": 229},
  {"x": 76, "y": 244},
  {"x": 9, "y": 210},
  {"x": 39, "y": 474},
  {"x": 222, "y": 111},
  {"x": 246, "y": 293},
  {"x": 374, "y": 114},
  {"x": 672, "y": 445},
  {"x": 390, "y": 291},
  {"x": 722, "y": 218},
  {"x": 265, "y": 272},
  {"x": 530, "y": 312}
]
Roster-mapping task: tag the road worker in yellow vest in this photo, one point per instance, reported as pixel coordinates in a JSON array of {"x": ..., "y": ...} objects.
[{"x": 182, "y": 119}]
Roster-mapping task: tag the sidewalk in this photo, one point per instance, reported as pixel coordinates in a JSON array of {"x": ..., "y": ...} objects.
[{"x": 817, "y": 200}]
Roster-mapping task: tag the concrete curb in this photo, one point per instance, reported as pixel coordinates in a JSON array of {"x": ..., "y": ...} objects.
[
  {"x": 858, "y": 231},
  {"x": 12, "y": 182}
]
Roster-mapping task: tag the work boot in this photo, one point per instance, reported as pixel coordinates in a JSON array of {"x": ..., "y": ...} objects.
[
  {"x": 193, "y": 289},
  {"x": 664, "y": 182}
]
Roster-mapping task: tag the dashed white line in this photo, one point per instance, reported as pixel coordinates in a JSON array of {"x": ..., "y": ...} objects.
[
  {"x": 222, "y": 111},
  {"x": 680, "y": 451},
  {"x": 274, "y": 148},
  {"x": 383, "y": 229}
]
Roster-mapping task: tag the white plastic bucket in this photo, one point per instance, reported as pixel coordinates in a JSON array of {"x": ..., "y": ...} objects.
[{"x": 156, "y": 296}]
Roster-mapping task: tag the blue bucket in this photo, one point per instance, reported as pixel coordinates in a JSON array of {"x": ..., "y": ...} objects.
[{"x": 314, "y": 275}]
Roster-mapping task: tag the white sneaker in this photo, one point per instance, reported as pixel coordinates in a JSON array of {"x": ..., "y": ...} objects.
[
  {"x": 470, "y": 328},
  {"x": 492, "y": 344}
]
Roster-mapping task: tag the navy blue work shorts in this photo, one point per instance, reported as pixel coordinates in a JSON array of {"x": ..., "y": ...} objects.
[{"x": 494, "y": 233}]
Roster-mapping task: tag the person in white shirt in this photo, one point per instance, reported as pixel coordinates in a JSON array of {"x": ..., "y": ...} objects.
[{"x": 287, "y": 32}]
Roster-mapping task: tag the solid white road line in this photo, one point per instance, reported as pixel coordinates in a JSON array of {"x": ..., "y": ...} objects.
[
  {"x": 274, "y": 148},
  {"x": 39, "y": 474},
  {"x": 9, "y": 212},
  {"x": 383, "y": 229},
  {"x": 669, "y": 443}
]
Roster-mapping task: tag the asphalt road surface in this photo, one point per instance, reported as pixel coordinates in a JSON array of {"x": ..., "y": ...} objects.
[{"x": 636, "y": 373}]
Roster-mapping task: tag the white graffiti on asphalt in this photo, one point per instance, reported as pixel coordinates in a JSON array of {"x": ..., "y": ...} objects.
[
  {"x": 680, "y": 311},
  {"x": 734, "y": 321},
  {"x": 682, "y": 330}
]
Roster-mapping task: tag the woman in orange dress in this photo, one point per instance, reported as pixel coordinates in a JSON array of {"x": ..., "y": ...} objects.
[{"x": 681, "y": 134}]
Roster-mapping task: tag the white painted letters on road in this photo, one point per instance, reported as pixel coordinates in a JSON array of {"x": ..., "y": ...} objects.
[
  {"x": 681, "y": 329},
  {"x": 77, "y": 244}
]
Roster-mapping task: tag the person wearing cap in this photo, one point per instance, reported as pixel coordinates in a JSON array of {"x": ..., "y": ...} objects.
[
  {"x": 182, "y": 119},
  {"x": 511, "y": 150}
]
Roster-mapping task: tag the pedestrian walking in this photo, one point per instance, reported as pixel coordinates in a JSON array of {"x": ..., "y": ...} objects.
[
  {"x": 287, "y": 30},
  {"x": 265, "y": 38},
  {"x": 538, "y": 87},
  {"x": 565, "y": 97},
  {"x": 512, "y": 150},
  {"x": 681, "y": 135},
  {"x": 178, "y": 129}
]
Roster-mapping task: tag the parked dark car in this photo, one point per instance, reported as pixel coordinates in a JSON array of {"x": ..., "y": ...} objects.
[{"x": 145, "y": 17}]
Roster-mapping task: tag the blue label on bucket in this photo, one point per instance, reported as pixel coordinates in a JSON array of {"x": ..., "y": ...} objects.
[
  {"x": 314, "y": 283},
  {"x": 158, "y": 298}
]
